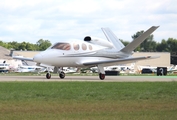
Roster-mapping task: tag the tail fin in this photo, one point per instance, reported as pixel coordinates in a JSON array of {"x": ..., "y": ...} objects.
[
  {"x": 136, "y": 42},
  {"x": 131, "y": 46},
  {"x": 113, "y": 38}
]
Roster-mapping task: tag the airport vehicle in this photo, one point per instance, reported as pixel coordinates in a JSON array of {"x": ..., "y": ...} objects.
[
  {"x": 146, "y": 70},
  {"x": 90, "y": 52},
  {"x": 154, "y": 69}
]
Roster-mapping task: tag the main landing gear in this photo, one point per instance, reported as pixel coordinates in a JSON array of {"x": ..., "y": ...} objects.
[
  {"x": 102, "y": 76},
  {"x": 61, "y": 74},
  {"x": 101, "y": 72}
]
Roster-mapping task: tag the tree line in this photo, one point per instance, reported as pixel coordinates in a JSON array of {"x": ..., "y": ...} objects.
[
  {"x": 149, "y": 45},
  {"x": 39, "y": 46}
]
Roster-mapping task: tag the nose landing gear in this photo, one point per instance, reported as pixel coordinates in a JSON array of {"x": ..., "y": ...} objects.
[
  {"x": 60, "y": 71},
  {"x": 48, "y": 75},
  {"x": 62, "y": 75}
]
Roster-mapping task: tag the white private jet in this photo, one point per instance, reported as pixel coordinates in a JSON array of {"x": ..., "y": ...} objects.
[{"x": 90, "y": 52}]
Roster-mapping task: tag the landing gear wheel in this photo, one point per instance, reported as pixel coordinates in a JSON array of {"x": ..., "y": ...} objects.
[
  {"x": 62, "y": 75},
  {"x": 102, "y": 76},
  {"x": 48, "y": 75}
]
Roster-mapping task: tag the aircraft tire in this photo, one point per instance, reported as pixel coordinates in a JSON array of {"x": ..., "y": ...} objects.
[
  {"x": 62, "y": 75},
  {"x": 48, "y": 75},
  {"x": 102, "y": 76}
]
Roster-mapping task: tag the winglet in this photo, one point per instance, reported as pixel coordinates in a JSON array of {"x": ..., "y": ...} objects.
[{"x": 136, "y": 42}]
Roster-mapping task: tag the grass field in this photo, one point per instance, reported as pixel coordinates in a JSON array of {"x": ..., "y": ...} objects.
[{"x": 88, "y": 100}]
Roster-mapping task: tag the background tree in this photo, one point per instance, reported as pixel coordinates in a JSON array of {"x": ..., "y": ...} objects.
[
  {"x": 2, "y": 44},
  {"x": 162, "y": 47},
  {"x": 14, "y": 45},
  {"x": 172, "y": 45},
  {"x": 22, "y": 46},
  {"x": 43, "y": 44},
  {"x": 124, "y": 42}
]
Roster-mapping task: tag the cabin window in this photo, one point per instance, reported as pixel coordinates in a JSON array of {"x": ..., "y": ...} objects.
[
  {"x": 76, "y": 46},
  {"x": 84, "y": 47},
  {"x": 90, "y": 47},
  {"x": 62, "y": 46}
]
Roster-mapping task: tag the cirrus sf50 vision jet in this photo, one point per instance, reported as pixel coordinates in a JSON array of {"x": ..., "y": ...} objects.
[{"x": 90, "y": 52}]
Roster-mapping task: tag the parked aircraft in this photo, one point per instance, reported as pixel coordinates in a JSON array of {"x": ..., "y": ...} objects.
[
  {"x": 4, "y": 67},
  {"x": 121, "y": 68},
  {"x": 152, "y": 68},
  {"x": 69, "y": 70},
  {"x": 90, "y": 52},
  {"x": 173, "y": 68},
  {"x": 26, "y": 68}
]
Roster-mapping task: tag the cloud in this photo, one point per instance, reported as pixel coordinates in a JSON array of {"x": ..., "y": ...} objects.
[{"x": 56, "y": 20}]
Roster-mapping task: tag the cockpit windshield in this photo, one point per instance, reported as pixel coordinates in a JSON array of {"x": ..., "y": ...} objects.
[{"x": 62, "y": 46}]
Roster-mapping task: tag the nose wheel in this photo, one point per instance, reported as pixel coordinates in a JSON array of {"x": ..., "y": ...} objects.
[
  {"x": 102, "y": 76},
  {"x": 48, "y": 75},
  {"x": 62, "y": 75}
]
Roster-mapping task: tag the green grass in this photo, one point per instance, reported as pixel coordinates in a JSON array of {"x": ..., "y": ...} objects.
[{"x": 88, "y": 100}]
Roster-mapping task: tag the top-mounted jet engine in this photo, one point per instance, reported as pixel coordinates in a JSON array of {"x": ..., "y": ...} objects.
[{"x": 98, "y": 41}]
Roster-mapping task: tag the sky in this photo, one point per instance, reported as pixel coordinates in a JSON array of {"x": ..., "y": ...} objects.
[{"x": 61, "y": 20}]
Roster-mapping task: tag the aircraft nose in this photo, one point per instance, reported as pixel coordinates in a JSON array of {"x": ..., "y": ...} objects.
[{"x": 37, "y": 58}]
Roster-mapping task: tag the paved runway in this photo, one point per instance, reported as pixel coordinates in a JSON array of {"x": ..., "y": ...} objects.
[{"x": 91, "y": 78}]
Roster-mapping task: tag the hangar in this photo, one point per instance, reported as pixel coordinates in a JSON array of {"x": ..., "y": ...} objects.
[{"x": 163, "y": 60}]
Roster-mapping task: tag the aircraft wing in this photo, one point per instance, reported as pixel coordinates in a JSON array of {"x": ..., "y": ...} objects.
[
  {"x": 119, "y": 61},
  {"x": 22, "y": 58}
]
